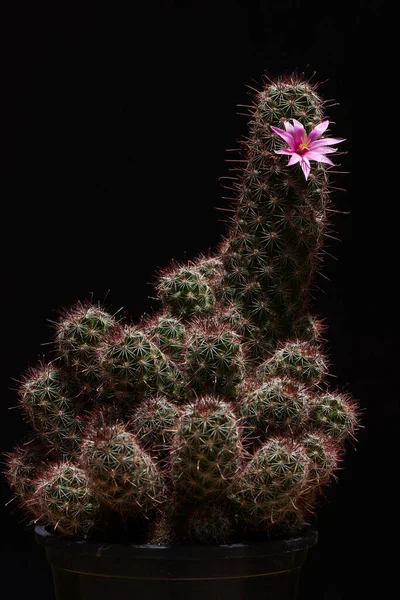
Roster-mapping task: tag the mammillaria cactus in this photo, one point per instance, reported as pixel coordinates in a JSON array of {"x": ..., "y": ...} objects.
[{"x": 213, "y": 417}]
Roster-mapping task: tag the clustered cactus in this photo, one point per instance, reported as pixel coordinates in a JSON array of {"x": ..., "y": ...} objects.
[{"x": 211, "y": 418}]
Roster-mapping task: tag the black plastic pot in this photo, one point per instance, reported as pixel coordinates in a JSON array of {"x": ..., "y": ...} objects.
[{"x": 84, "y": 570}]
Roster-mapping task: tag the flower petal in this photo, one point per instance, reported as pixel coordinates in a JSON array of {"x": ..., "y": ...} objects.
[
  {"x": 299, "y": 133},
  {"x": 295, "y": 158},
  {"x": 325, "y": 142},
  {"x": 317, "y": 131},
  {"x": 284, "y": 135},
  {"x": 305, "y": 165},
  {"x": 284, "y": 151},
  {"x": 317, "y": 156},
  {"x": 324, "y": 150},
  {"x": 289, "y": 127}
]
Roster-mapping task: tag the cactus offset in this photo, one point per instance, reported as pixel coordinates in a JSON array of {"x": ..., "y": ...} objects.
[
  {"x": 50, "y": 409},
  {"x": 206, "y": 449},
  {"x": 64, "y": 500},
  {"x": 301, "y": 361},
  {"x": 269, "y": 485},
  {"x": 279, "y": 405},
  {"x": 186, "y": 292},
  {"x": 154, "y": 423},
  {"x": 133, "y": 366},
  {"x": 79, "y": 333},
  {"x": 214, "y": 356},
  {"x": 124, "y": 476}
]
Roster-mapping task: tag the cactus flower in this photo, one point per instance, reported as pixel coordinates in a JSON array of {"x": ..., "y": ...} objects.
[{"x": 303, "y": 147}]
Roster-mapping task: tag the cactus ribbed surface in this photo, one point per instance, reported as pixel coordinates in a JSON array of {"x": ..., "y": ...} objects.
[{"x": 212, "y": 417}]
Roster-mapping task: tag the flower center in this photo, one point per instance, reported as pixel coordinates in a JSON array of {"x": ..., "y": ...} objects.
[{"x": 303, "y": 146}]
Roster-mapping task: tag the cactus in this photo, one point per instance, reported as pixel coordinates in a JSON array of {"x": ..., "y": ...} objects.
[
  {"x": 23, "y": 466},
  {"x": 279, "y": 405},
  {"x": 153, "y": 423},
  {"x": 336, "y": 414},
  {"x": 133, "y": 366},
  {"x": 324, "y": 457},
  {"x": 214, "y": 356},
  {"x": 79, "y": 332},
  {"x": 269, "y": 485},
  {"x": 166, "y": 332},
  {"x": 206, "y": 449},
  {"x": 212, "y": 418},
  {"x": 301, "y": 361},
  {"x": 64, "y": 499},
  {"x": 51, "y": 411},
  {"x": 124, "y": 476},
  {"x": 185, "y": 291},
  {"x": 275, "y": 239}
]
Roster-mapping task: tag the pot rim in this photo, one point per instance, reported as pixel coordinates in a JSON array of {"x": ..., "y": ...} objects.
[{"x": 185, "y": 552}]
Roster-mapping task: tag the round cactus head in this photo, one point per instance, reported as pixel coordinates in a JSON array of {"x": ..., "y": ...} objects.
[
  {"x": 185, "y": 291},
  {"x": 122, "y": 473},
  {"x": 64, "y": 500},
  {"x": 301, "y": 361},
  {"x": 214, "y": 357},
  {"x": 269, "y": 484},
  {"x": 206, "y": 449},
  {"x": 335, "y": 414},
  {"x": 166, "y": 332},
  {"x": 79, "y": 332}
]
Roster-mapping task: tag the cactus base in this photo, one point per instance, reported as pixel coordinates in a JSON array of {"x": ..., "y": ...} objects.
[{"x": 95, "y": 571}]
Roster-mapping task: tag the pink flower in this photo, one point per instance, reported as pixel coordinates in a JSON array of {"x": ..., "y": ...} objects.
[{"x": 303, "y": 148}]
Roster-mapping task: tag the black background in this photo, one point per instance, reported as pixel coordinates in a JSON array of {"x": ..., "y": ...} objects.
[{"x": 119, "y": 122}]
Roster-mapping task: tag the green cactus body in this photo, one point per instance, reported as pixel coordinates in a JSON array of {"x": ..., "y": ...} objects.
[
  {"x": 166, "y": 332},
  {"x": 232, "y": 317},
  {"x": 79, "y": 333},
  {"x": 206, "y": 449},
  {"x": 267, "y": 488},
  {"x": 55, "y": 416},
  {"x": 324, "y": 457},
  {"x": 212, "y": 269},
  {"x": 185, "y": 291},
  {"x": 64, "y": 500},
  {"x": 23, "y": 466},
  {"x": 276, "y": 235},
  {"x": 214, "y": 358},
  {"x": 154, "y": 423},
  {"x": 278, "y": 405},
  {"x": 123, "y": 475},
  {"x": 133, "y": 366},
  {"x": 335, "y": 414},
  {"x": 300, "y": 361}
]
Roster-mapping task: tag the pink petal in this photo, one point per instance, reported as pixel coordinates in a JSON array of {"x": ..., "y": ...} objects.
[
  {"x": 319, "y": 158},
  {"x": 317, "y": 131},
  {"x": 324, "y": 150},
  {"x": 295, "y": 158},
  {"x": 305, "y": 165},
  {"x": 284, "y": 135},
  {"x": 284, "y": 151},
  {"x": 299, "y": 133},
  {"x": 289, "y": 127},
  {"x": 324, "y": 142}
]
